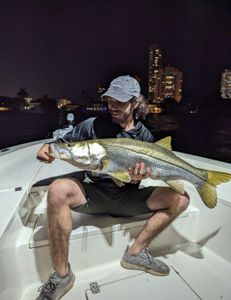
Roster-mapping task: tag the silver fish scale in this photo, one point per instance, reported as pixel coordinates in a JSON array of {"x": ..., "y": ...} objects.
[
  {"x": 122, "y": 159},
  {"x": 152, "y": 150}
]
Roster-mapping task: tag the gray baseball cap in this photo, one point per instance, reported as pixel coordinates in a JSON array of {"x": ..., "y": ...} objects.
[{"x": 123, "y": 88}]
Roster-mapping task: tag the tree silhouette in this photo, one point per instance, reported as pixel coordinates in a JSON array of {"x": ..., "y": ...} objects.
[{"x": 22, "y": 93}]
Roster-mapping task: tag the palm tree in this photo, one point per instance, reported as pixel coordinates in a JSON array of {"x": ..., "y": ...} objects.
[
  {"x": 22, "y": 93},
  {"x": 20, "y": 99}
]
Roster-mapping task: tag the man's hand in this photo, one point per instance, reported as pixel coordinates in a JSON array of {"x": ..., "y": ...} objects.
[
  {"x": 139, "y": 172},
  {"x": 43, "y": 154}
]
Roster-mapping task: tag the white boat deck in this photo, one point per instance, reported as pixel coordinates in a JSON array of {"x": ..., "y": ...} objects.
[
  {"x": 196, "y": 245},
  {"x": 190, "y": 278}
]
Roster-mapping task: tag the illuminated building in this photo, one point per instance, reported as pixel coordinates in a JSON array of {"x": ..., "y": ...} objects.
[
  {"x": 101, "y": 88},
  {"x": 226, "y": 84},
  {"x": 172, "y": 83},
  {"x": 162, "y": 82},
  {"x": 71, "y": 107},
  {"x": 5, "y": 103},
  {"x": 154, "y": 78},
  {"x": 28, "y": 103},
  {"x": 63, "y": 102},
  {"x": 154, "y": 108}
]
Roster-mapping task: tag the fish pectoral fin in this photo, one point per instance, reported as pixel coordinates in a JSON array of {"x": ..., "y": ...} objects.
[
  {"x": 165, "y": 143},
  {"x": 120, "y": 177},
  {"x": 176, "y": 185},
  {"x": 104, "y": 164},
  {"x": 117, "y": 182}
]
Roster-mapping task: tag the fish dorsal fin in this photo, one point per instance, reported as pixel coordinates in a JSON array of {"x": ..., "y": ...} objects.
[
  {"x": 165, "y": 143},
  {"x": 176, "y": 185},
  {"x": 120, "y": 177}
]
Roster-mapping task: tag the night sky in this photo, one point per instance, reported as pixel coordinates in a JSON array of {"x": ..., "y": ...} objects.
[{"x": 60, "y": 47}]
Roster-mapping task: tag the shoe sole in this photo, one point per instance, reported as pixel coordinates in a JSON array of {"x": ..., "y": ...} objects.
[
  {"x": 66, "y": 289},
  {"x": 127, "y": 265}
]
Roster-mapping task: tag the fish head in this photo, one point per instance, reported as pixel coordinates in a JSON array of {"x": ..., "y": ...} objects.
[
  {"x": 60, "y": 151},
  {"x": 86, "y": 155}
]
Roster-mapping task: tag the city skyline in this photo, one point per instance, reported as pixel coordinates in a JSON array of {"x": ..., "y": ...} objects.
[
  {"x": 61, "y": 49},
  {"x": 163, "y": 81},
  {"x": 226, "y": 84}
]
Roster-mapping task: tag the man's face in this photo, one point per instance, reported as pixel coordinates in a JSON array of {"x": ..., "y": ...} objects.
[{"x": 120, "y": 111}]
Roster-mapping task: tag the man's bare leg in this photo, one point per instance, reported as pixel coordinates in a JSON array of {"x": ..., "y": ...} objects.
[
  {"x": 62, "y": 195},
  {"x": 169, "y": 204}
]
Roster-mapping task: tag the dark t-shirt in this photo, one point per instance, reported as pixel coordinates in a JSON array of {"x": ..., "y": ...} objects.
[{"x": 103, "y": 127}]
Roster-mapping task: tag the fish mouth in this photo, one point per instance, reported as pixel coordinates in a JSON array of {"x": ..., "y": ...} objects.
[
  {"x": 52, "y": 151},
  {"x": 58, "y": 151}
]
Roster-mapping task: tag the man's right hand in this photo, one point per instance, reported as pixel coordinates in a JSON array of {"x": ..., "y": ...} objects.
[{"x": 43, "y": 154}]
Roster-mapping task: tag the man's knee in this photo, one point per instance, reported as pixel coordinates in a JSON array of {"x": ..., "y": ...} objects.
[
  {"x": 182, "y": 202},
  {"x": 63, "y": 191},
  {"x": 166, "y": 198},
  {"x": 177, "y": 202}
]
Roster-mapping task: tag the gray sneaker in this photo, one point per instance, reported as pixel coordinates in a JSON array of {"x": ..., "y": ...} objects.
[
  {"x": 145, "y": 262},
  {"x": 55, "y": 287}
]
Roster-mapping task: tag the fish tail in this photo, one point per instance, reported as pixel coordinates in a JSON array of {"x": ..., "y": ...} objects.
[
  {"x": 215, "y": 177},
  {"x": 208, "y": 191}
]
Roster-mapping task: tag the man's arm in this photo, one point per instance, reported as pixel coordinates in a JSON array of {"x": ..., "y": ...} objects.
[
  {"x": 82, "y": 131},
  {"x": 140, "y": 171}
]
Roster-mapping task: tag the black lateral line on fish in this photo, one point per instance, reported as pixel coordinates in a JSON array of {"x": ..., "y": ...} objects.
[
  {"x": 117, "y": 144},
  {"x": 164, "y": 161}
]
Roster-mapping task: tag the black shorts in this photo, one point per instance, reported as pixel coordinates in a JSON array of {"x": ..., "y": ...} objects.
[{"x": 106, "y": 198}]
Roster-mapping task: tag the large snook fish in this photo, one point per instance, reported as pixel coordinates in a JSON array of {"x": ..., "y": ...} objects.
[{"x": 115, "y": 156}]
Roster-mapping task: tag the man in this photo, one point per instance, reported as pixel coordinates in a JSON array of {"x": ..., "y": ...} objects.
[{"x": 99, "y": 192}]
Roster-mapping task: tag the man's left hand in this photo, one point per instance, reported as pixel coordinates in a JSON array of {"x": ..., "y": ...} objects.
[{"x": 139, "y": 172}]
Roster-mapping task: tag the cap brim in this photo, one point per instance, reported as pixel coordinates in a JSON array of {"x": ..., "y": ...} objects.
[{"x": 118, "y": 95}]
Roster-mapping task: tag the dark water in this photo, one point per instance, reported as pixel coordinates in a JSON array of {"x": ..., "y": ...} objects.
[
  {"x": 17, "y": 128},
  {"x": 203, "y": 134}
]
